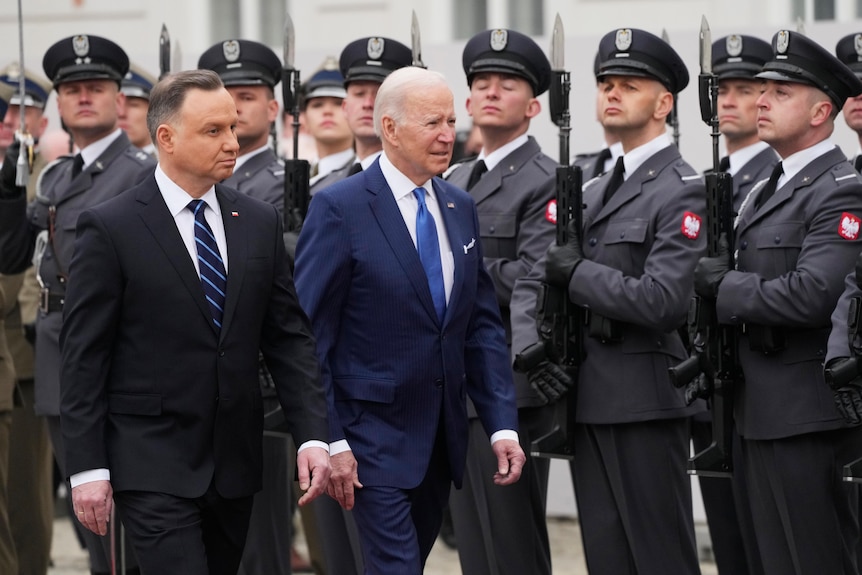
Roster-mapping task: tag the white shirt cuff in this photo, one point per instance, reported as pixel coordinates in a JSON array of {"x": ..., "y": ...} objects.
[
  {"x": 504, "y": 434},
  {"x": 337, "y": 447},
  {"x": 313, "y": 443},
  {"x": 90, "y": 476}
]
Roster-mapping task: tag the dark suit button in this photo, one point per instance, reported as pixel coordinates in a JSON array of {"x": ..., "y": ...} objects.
[
  {"x": 743, "y": 245},
  {"x": 658, "y": 344},
  {"x": 438, "y": 383},
  {"x": 593, "y": 241},
  {"x": 221, "y": 353}
]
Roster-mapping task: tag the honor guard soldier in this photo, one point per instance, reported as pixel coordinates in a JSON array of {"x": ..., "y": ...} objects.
[
  {"x": 137, "y": 85},
  {"x": 736, "y": 60},
  {"x": 849, "y": 51},
  {"x": 797, "y": 236},
  {"x": 31, "y": 510},
  {"x": 86, "y": 72},
  {"x": 594, "y": 164},
  {"x": 322, "y": 97},
  {"x": 250, "y": 71},
  {"x": 365, "y": 63},
  {"x": 513, "y": 184},
  {"x": 641, "y": 240}
]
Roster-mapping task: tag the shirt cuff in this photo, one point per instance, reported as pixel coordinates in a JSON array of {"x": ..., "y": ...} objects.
[
  {"x": 313, "y": 443},
  {"x": 504, "y": 434},
  {"x": 337, "y": 447},
  {"x": 89, "y": 476}
]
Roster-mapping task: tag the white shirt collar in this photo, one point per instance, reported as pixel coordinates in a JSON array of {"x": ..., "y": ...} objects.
[
  {"x": 633, "y": 159},
  {"x": 366, "y": 163},
  {"x": 794, "y": 163},
  {"x": 177, "y": 199},
  {"x": 400, "y": 184},
  {"x": 497, "y": 156},
  {"x": 240, "y": 160},
  {"x": 92, "y": 152},
  {"x": 334, "y": 161},
  {"x": 741, "y": 157}
]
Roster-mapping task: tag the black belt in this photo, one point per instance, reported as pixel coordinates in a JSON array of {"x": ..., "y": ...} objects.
[{"x": 49, "y": 302}]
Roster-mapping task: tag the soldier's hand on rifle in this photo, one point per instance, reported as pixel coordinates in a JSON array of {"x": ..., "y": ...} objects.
[
  {"x": 847, "y": 396},
  {"x": 561, "y": 261},
  {"x": 549, "y": 381},
  {"x": 8, "y": 189},
  {"x": 710, "y": 271},
  {"x": 700, "y": 387}
]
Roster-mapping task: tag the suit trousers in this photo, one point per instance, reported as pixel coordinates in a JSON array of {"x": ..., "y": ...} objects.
[
  {"x": 31, "y": 510},
  {"x": 8, "y": 556},
  {"x": 398, "y": 527},
  {"x": 502, "y": 530},
  {"x": 804, "y": 513},
  {"x": 728, "y": 510},
  {"x": 98, "y": 547},
  {"x": 634, "y": 498},
  {"x": 179, "y": 536}
]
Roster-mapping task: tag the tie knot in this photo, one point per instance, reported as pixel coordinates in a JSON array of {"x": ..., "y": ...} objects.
[
  {"x": 724, "y": 164},
  {"x": 777, "y": 170},
  {"x": 77, "y": 164},
  {"x": 196, "y": 205},
  {"x": 420, "y": 196},
  {"x": 620, "y": 167}
]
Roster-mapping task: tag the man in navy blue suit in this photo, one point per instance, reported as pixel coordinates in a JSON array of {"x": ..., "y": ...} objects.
[{"x": 404, "y": 332}]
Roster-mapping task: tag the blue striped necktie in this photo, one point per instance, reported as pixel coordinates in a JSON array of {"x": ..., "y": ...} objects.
[
  {"x": 428, "y": 246},
  {"x": 213, "y": 275}
]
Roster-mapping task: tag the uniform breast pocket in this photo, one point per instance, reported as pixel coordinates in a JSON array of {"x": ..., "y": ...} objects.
[
  {"x": 778, "y": 247},
  {"x": 499, "y": 235},
  {"x": 625, "y": 246}
]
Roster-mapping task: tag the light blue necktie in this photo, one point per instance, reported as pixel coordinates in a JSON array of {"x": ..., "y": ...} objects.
[
  {"x": 428, "y": 246},
  {"x": 210, "y": 262}
]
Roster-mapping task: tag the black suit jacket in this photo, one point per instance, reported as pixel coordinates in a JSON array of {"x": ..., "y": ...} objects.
[{"x": 150, "y": 389}]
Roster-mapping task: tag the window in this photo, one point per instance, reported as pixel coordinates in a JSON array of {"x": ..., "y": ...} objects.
[
  {"x": 225, "y": 19},
  {"x": 470, "y": 17},
  {"x": 526, "y": 16}
]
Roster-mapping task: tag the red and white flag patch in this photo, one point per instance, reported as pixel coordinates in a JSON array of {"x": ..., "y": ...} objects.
[
  {"x": 691, "y": 225},
  {"x": 848, "y": 227},
  {"x": 551, "y": 212}
]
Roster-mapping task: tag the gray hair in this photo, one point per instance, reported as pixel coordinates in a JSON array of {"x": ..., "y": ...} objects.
[
  {"x": 168, "y": 95},
  {"x": 396, "y": 89}
]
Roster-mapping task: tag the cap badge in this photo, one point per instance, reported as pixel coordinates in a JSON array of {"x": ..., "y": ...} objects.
[
  {"x": 857, "y": 44},
  {"x": 81, "y": 45},
  {"x": 624, "y": 39},
  {"x": 13, "y": 71},
  {"x": 230, "y": 48},
  {"x": 734, "y": 45},
  {"x": 375, "y": 48},
  {"x": 499, "y": 39},
  {"x": 782, "y": 42}
]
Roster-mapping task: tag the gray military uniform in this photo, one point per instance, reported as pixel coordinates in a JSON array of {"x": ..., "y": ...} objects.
[
  {"x": 755, "y": 170},
  {"x": 641, "y": 249},
  {"x": 334, "y": 176},
  {"x": 504, "y": 530},
  {"x": 261, "y": 177},
  {"x": 793, "y": 255}
]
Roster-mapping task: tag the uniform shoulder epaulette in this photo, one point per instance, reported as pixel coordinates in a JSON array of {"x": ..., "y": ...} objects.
[
  {"x": 138, "y": 154},
  {"x": 844, "y": 171},
  {"x": 686, "y": 173},
  {"x": 276, "y": 168},
  {"x": 47, "y": 169}
]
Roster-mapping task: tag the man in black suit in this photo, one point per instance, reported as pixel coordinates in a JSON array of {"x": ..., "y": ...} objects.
[{"x": 160, "y": 402}]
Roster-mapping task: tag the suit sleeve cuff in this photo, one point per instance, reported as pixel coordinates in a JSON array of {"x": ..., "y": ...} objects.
[
  {"x": 504, "y": 434},
  {"x": 89, "y": 476},
  {"x": 313, "y": 443},
  {"x": 337, "y": 447}
]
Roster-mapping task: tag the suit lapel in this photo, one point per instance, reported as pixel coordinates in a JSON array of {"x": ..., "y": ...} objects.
[
  {"x": 456, "y": 243},
  {"x": 391, "y": 222},
  {"x": 162, "y": 225},
  {"x": 236, "y": 238}
]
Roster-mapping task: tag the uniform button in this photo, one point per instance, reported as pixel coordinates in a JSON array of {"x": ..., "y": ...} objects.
[
  {"x": 221, "y": 353},
  {"x": 743, "y": 245},
  {"x": 438, "y": 383},
  {"x": 734, "y": 319},
  {"x": 492, "y": 229},
  {"x": 593, "y": 241},
  {"x": 622, "y": 235},
  {"x": 777, "y": 239},
  {"x": 658, "y": 344}
]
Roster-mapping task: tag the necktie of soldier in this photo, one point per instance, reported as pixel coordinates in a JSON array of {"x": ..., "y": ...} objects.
[
  {"x": 601, "y": 160},
  {"x": 616, "y": 180},
  {"x": 354, "y": 169},
  {"x": 428, "y": 246},
  {"x": 769, "y": 189},
  {"x": 77, "y": 165},
  {"x": 210, "y": 262},
  {"x": 479, "y": 168}
]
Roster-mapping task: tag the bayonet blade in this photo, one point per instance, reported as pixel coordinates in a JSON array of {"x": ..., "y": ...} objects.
[
  {"x": 289, "y": 39},
  {"x": 164, "y": 52},
  {"x": 558, "y": 43},
  {"x": 416, "y": 39},
  {"x": 705, "y": 47},
  {"x": 177, "y": 59}
]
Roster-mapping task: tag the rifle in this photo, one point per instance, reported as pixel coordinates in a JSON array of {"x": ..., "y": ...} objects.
[
  {"x": 842, "y": 373},
  {"x": 164, "y": 52},
  {"x": 416, "y": 42},
  {"x": 713, "y": 368},
  {"x": 26, "y": 153},
  {"x": 296, "y": 171},
  {"x": 560, "y": 322},
  {"x": 673, "y": 117}
]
